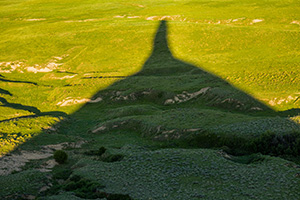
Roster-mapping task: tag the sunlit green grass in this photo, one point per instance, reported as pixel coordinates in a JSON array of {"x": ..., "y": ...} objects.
[
  {"x": 261, "y": 58},
  {"x": 14, "y": 133},
  {"x": 252, "y": 44},
  {"x": 114, "y": 38}
]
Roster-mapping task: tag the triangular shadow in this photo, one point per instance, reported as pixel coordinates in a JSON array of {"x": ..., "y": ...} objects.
[
  {"x": 164, "y": 83},
  {"x": 163, "y": 86},
  {"x": 165, "y": 80}
]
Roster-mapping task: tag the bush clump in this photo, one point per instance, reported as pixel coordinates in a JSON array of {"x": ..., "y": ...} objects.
[
  {"x": 60, "y": 156},
  {"x": 83, "y": 188},
  {"x": 104, "y": 155},
  {"x": 267, "y": 143},
  {"x": 101, "y": 151},
  {"x": 274, "y": 144},
  {"x": 98, "y": 152},
  {"x": 87, "y": 189}
]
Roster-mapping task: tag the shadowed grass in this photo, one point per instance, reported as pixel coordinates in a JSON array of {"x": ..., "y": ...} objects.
[{"x": 214, "y": 77}]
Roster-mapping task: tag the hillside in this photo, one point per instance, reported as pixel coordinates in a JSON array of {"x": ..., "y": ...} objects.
[{"x": 168, "y": 100}]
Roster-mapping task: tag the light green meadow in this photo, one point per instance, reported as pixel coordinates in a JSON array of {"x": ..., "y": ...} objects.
[{"x": 151, "y": 80}]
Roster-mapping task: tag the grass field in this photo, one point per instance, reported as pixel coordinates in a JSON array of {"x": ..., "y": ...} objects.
[{"x": 151, "y": 80}]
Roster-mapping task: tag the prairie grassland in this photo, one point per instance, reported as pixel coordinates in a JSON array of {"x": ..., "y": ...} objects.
[
  {"x": 89, "y": 71},
  {"x": 253, "y": 45},
  {"x": 49, "y": 49}
]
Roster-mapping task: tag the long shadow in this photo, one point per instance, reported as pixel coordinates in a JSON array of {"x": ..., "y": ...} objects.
[
  {"x": 52, "y": 113},
  {"x": 164, "y": 86},
  {"x": 17, "y": 106},
  {"x": 13, "y": 81},
  {"x": 163, "y": 78},
  {"x": 164, "y": 75},
  {"x": 2, "y": 91}
]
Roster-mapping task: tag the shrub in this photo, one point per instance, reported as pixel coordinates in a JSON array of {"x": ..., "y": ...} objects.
[
  {"x": 267, "y": 143},
  {"x": 101, "y": 151},
  {"x": 83, "y": 188},
  {"x": 70, "y": 186},
  {"x": 60, "y": 156},
  {"x": 98, "y": 152},
  {"x": 274, "y": 144}
]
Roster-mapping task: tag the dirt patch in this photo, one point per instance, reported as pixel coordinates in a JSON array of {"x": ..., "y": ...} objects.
[
  {"x": 64, "y": 77},
  {"x": 185, "y": 96},
  {"x": 256, "y": 108},
  {"x": 254, "y": 21},
  {"x": 34, "y": 20},
  {"x": 8, "y": 67},
  {"x": 295, "y": 22},
  {"x": 47, "y": 166},
  {"x": 49, "y": 67},
  {"x": 70, "y": 101},
  {"x": 278, "y": 101},
  {"x": 158, "y": 132},
  {"x": 241, "y": 20},
  {"x": 167, "y": 17},
  {"x": 238, "y": 19},
  {"x": 21, "y": 66},
  {"x": 15, "y": 162},
  {"x": 101, "y": 128},
  {"x": 84, "y": 20},
  {"x": 36, "y": 69},
  {"x": 120, "y": 16},
  {"x": 98, "y": 99},
  {"x": 133, "y": 17}
]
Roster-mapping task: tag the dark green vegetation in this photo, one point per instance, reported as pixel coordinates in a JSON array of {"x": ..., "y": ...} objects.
[
  {"x": 87, "y": 189},
  {"x": 169, "y": 100},
  {"x": 60, "y": 156},
  {"x": 105, "y": 157},
  {"x": 209, "y": 110}
]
